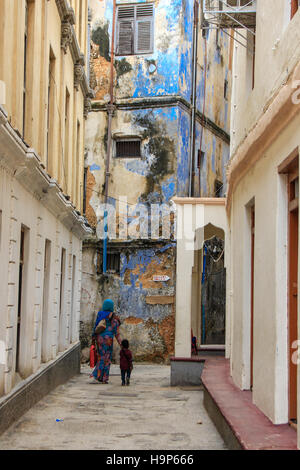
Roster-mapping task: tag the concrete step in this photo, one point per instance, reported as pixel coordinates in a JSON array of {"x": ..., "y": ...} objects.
[
  {"x": 211, "y": 350},
  {"x": 241, "y": 424}
]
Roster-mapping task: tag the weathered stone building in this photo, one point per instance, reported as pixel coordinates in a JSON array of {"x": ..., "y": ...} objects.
[
  {"x": 169, "y": 135},
  {"x": 44, "y": 101}
]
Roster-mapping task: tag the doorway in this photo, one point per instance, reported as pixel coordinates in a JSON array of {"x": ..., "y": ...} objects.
[
  {"x": 293, "y": 216},
  {"x": 62, "y": 317},
  {"x": 46, "y": 294},
  {"x": 209, "y": 290},
  {"x": 23, "y": 265},
  {"x": 290, "y": 168},
  {"x": 252, "y": 211}
]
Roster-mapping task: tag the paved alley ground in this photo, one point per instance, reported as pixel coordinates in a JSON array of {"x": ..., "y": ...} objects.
[{"x": 149, "y": 414}]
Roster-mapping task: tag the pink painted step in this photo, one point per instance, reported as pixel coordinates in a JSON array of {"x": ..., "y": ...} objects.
[{"x": 250, "y": 426}]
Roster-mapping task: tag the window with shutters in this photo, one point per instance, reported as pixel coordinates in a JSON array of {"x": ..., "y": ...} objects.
[{"x": 135, "y": 29}]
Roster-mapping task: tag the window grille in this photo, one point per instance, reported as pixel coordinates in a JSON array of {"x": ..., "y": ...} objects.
[
  {"x": 113, "y": 263},
  {"x": 128, "y": 148}
]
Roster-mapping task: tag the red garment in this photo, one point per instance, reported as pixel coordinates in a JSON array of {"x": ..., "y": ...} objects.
[
  {"x": 125, "y": 359},
  {"x": 93, "y": 356}
]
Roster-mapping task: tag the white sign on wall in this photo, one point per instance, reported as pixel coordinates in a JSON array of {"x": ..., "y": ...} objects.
[{"x": 161, "y": 278}]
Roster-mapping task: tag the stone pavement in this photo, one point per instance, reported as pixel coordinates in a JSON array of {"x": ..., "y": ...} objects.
[{"x": 149, "y": 414}]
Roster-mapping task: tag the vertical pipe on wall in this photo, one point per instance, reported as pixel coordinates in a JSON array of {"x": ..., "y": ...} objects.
[
  {"x": 203, "y": 109},
  {"x": 193, "y": 97},
  {"x": 204, "y": 25},
  {"x": 110, "y": 111}
]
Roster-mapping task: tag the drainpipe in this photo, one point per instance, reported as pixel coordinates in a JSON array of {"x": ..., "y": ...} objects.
[
  {"x": 89, "y": 41},
  {"x": 194, "y": 85},
  {"x": 110, "y": 112}
]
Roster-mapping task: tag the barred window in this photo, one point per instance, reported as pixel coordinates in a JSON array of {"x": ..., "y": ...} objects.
[
  {"x": 135, "y": 29},
  {"x": 113, "y": 263}
]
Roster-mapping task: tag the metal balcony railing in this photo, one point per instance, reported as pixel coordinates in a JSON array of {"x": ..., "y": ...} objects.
[{"x": 230, "y": 13}]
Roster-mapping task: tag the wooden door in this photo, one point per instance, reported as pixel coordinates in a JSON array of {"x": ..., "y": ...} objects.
[
  {"x": 294, "y": 7},
  {"x": 252, "y": 292}
]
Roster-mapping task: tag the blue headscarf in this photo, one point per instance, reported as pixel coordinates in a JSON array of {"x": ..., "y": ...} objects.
[{"x": 107, "y": 309}]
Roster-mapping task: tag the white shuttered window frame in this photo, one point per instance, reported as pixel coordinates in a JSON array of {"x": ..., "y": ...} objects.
[{"x": 135, "y": 29}]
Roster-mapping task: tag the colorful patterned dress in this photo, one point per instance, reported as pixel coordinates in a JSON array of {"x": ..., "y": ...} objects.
[{"x": 104, "y": 342}]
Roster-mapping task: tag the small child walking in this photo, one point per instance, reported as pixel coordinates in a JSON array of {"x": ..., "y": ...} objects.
[{"x": 125, "y": 362}]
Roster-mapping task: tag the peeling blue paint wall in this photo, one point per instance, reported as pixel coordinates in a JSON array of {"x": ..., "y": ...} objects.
[{"x": 152, "y": 93}]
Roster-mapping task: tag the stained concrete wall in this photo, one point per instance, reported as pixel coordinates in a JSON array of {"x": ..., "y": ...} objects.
[
  {"x": 171, "y": 77},
  {"x": 152, "y": 94},
  {"x": 146, "y": 307}
]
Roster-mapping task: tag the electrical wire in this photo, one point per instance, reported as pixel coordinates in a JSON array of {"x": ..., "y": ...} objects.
[
  {"x": 204, "y": 246},
  {"x": 111, "y": 197}
]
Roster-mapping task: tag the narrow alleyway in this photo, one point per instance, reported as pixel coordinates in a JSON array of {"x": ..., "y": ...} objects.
[{"x": 148, "y": 414}]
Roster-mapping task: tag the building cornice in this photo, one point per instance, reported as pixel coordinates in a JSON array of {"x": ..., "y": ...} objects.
[
  {"x": 116, "y": 246},
  {"x": 204, "y": 201},
  {"x": 163, "y": 102},
  {"x": 24, "y": 164},
  {"x": 69, "y": 41},
  {"x": 279, "y": 113}
]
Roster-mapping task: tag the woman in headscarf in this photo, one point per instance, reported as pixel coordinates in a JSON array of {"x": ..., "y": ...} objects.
[{"x": 105, "y": 329}]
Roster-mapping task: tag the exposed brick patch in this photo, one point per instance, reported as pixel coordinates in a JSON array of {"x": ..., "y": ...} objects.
[
  {"x": 100, "y": 74},
  {"x": 167, "y": 331},
  {"x": 90, "y": 213},
  {"x": 133, "y": 321}
]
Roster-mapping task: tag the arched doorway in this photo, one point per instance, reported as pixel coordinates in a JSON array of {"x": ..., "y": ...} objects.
[{"x": 209, "y": 287}]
